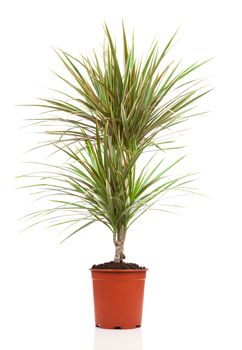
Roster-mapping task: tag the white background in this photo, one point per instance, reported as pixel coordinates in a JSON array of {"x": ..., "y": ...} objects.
[{"x": 194, "y": 288}]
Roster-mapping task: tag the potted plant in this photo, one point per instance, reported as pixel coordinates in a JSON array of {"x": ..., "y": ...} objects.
[{"x": 112, "y": 114}]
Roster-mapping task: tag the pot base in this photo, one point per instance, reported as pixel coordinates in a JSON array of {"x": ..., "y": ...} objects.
[{"x": 109, "y": 326}]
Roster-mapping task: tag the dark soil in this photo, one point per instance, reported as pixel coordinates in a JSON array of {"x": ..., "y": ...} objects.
[{"x": 118, "y": 266}]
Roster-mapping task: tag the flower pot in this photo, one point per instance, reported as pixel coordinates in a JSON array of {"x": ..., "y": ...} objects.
[{"x": 118, "y": 297}]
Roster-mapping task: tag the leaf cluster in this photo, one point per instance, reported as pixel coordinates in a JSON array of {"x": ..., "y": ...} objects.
[{"x": 115, "y": 113}]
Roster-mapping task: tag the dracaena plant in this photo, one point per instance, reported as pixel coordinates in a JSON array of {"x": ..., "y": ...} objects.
[{"x": 114, "y": 111}]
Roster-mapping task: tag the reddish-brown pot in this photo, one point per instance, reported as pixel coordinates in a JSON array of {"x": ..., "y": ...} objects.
[{"x": 118, "y": 297}]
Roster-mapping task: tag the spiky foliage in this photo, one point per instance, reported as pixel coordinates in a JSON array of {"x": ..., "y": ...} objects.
[{"x": 114, "y": 114}]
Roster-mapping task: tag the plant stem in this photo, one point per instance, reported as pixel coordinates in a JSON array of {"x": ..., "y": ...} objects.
[{"x": 119, "y": 244}]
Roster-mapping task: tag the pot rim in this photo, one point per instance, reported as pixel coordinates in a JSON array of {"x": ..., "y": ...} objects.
[{"x": 119, "y": 270}]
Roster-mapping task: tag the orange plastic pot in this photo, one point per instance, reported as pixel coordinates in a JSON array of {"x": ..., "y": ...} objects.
[{"x": 118, "y": 297}]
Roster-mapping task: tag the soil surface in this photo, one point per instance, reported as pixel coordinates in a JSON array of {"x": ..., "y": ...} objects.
[{"x": 118, "y": 266}]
